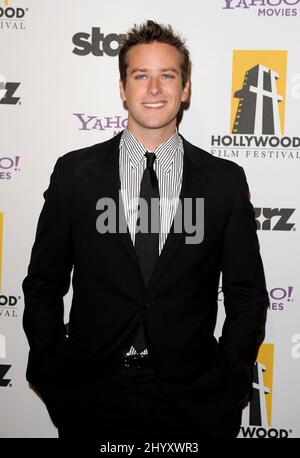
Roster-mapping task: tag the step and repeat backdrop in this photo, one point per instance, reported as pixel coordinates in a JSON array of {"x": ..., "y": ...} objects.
[{"x": 59, "y": 92}]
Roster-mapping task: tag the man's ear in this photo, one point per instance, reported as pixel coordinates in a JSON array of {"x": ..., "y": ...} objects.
[
  {"x": 122, "y": 91},
  {"x": 186, "y": 91}
]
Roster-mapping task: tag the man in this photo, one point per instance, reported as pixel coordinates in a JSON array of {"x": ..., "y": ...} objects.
[{"x": 140, "y": 359}]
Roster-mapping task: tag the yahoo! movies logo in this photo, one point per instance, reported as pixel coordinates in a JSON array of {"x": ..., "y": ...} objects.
[
  {"x": 8, "y": 166},
  {"x": 12, "y": 17},
  {"x": 257, "y": 416},
  {"x": 258, "y": 100},
  {"x": 264, "y": 7},
  {"x": 96, "y": 43},
  {"x": 112, "y": 123},
  {"x": 281, "y": 298}
]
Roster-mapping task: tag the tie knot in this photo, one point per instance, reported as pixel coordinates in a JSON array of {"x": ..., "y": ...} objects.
[{"x": 150, "y": 159}]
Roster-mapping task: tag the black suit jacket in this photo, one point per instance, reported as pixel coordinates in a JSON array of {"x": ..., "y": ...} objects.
[{"x": 206, "y": 379}]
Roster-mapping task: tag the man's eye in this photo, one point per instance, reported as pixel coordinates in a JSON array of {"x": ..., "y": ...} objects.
[
  {"x": 168, "y": 76},
  {"x": 140, "y": 77}
]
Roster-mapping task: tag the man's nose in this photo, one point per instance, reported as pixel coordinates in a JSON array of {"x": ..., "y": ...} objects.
[{"x": 154, "y": 87}]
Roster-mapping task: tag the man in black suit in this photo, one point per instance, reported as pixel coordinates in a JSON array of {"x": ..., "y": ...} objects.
[{"x": 140, "y": 359}]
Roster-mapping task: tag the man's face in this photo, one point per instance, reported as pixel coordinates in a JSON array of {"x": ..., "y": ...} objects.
[{"x": 153, "y": 91}]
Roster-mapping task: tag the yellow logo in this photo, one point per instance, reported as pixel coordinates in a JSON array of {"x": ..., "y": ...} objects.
[
  {"x": 263, "y": 384},
  {"x": 258, "y": 92}
]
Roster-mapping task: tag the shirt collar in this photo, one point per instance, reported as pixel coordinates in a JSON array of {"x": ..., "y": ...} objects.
[{"x": 164, "y": 152}]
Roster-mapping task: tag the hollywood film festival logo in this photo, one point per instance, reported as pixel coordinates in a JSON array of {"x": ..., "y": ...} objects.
[
  {"x": 257, "y": 125},
  {"x": 12, "y": 16},
  {"x": 257, "y": 416},
  {"x": 8, "y": 303},
  {"x": 264, "y": 7}
]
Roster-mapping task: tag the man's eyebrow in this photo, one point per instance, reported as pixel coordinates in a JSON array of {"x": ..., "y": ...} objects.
[
  {"x": 169, "y": 69},
  {"x": 145, "y": 70},
  {"x": 139, "y": 70}
]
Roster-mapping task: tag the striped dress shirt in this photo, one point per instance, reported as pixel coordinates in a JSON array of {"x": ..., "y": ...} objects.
[{"x": 168, "y": 167}]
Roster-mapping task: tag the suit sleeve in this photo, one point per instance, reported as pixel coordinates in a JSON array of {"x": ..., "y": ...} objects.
[
  {"x": 244, "y": 288},
  {"x": 48, "y": 277}
]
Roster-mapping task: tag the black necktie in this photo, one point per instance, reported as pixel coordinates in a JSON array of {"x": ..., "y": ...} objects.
[{"x": 147, "y": 243}]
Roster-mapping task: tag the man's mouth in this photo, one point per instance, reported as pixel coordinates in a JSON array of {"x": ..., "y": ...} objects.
[{"x": 154, "y": 104}]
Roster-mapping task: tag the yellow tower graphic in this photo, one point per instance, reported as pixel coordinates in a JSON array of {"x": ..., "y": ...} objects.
[
  {"x": 258, "y": 92},
  {"x": 261, "y": 405}
]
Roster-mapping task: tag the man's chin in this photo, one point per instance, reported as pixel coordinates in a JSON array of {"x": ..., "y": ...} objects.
[{"x": 156, "y": 124}]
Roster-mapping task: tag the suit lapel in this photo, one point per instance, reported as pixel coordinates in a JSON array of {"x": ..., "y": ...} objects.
[
  {"x": 193, "y": 185},
  {"x": 110, "y": 186}
]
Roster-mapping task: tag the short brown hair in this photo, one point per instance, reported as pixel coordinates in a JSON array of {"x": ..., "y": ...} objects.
[{"x": 147, "y": 33}]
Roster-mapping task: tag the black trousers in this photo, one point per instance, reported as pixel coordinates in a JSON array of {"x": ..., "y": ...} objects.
[{"x": 130, "y": 406}]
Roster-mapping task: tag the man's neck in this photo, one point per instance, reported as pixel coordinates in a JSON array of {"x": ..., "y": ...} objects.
[{"x": 152, "y": 138}]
